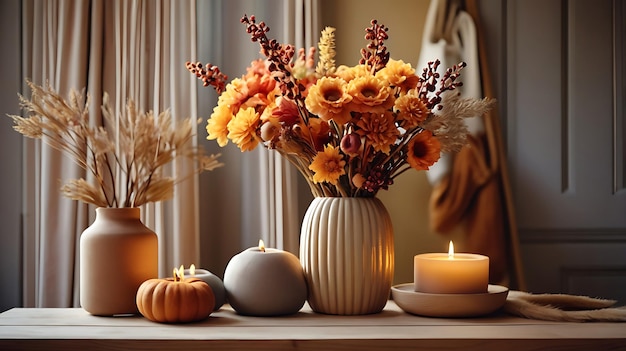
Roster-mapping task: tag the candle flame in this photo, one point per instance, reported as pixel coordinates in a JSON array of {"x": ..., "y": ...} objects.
[
  {"x": 179, "y": 274},
  {"x": 451, "y": 250},
  {"x": 192, "y": 269},
  {"x": 261, "y": 245}
]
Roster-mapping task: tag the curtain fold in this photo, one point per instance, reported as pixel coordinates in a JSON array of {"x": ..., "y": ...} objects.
[
  {"x": 53, "y": 54},
  {"x": 132, "y": 50}
]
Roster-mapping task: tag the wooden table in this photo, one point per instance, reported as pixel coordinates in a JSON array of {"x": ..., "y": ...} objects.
[{"x": 75, "y": 329}]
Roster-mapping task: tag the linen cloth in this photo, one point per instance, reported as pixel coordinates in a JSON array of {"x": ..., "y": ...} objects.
[{"x": 563, "y": 308}]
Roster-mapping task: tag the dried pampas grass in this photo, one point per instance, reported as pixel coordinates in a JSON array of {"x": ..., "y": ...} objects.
[
  {"x": 449, "y": 122},
  {"x": 125, "y": 160}
]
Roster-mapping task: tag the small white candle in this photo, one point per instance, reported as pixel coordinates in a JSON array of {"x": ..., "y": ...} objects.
[
  {"x": 261, "y": 281},
  {"x": 451, "y": 273},
  {"x": 214, "y": 282}
]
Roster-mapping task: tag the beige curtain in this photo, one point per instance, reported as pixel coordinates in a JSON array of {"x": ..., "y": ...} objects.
[
  {"x": 137, "y": 49},
  {"x": 258, "y": 194},
  {"x": 55, "y": 47},
  {"x": 131, "y": 49}
]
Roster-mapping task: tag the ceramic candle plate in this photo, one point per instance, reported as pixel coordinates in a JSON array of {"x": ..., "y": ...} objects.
[{"x": 449, "y": 305}]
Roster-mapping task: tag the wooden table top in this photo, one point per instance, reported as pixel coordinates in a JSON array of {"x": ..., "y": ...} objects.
[{"x": 75, "y": 329}]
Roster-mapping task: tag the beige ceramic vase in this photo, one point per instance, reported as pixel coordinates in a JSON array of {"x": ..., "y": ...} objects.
[
  {"x": 117, "y": 253},
  {"x": 347, "y": 252}
]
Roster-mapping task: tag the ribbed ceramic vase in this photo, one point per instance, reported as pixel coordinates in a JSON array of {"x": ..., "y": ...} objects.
[
  {"x": 117, "y": 253},
  {"x": 347, "y": 252}
]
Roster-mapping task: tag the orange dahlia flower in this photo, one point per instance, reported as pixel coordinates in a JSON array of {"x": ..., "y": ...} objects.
[
  {"x": 423, "y": 151},
  {"x": 328, "y": 99},
  {"x": 370, "y": 94}
]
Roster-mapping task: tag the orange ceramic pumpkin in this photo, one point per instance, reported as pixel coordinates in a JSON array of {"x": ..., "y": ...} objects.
[{"x": 175, "y": 300}]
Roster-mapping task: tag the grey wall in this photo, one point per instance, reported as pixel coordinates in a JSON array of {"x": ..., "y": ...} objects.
[
  {"x": 566, "y": 143},
  {"x": 10, "y": 157}
]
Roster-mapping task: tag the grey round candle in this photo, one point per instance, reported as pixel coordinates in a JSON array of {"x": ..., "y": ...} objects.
[
  {"x": 263, "y": 281},
  {"x": 214, "y": 282}
]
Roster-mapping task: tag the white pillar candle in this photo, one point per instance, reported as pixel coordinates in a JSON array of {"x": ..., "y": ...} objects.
[
  {"x": 214, "y": 282},
  {"x": 451, "y": 273},
  {"x": 265, "y": 282}
]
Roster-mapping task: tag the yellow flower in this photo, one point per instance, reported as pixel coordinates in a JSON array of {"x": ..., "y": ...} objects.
[
  {"x": 267, "y": 111},
  {"x": 423, "y": 150},
  {"x": 242, "y": 129},
  {"x": 328, "y": 99},
  {"x": 411, "y": 109},
  {"x": 235, "y": 94},
  {"x": 369, "y": 94},
  {"x": 217, "y": 126},
  {"x": 379, "y": 130},
  {"x": 328, "y": 165},
  {"x": 349, "y": 73},
  {"x": 399, "y": 74}
]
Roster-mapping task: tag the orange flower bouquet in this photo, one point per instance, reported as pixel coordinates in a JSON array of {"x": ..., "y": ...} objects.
[{"x": 348, "y": 130}]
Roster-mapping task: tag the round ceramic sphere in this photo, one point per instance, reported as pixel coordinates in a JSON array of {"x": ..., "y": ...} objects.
[
  {"x": 218, "y": 289},
  {"x": 265, "y": 283},
  {"x": 214, "y": 282}
]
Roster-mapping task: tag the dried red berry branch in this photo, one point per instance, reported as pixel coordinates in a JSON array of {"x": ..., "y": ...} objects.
[
  {"x": 280, "y": 56},
  {"x": 208, "y": 74},
  {"x": 430, "y": 77},
  {"x": 376, "y": 55}
]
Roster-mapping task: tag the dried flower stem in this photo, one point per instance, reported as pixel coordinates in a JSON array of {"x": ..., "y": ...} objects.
[
  {"x": 209, "y": 74},
  {"x": 376, "y": 55},
  {"x": 326, "y": 45},
  {"x": 280, "y": 56},
  {"x": 143, "y": 144}
]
